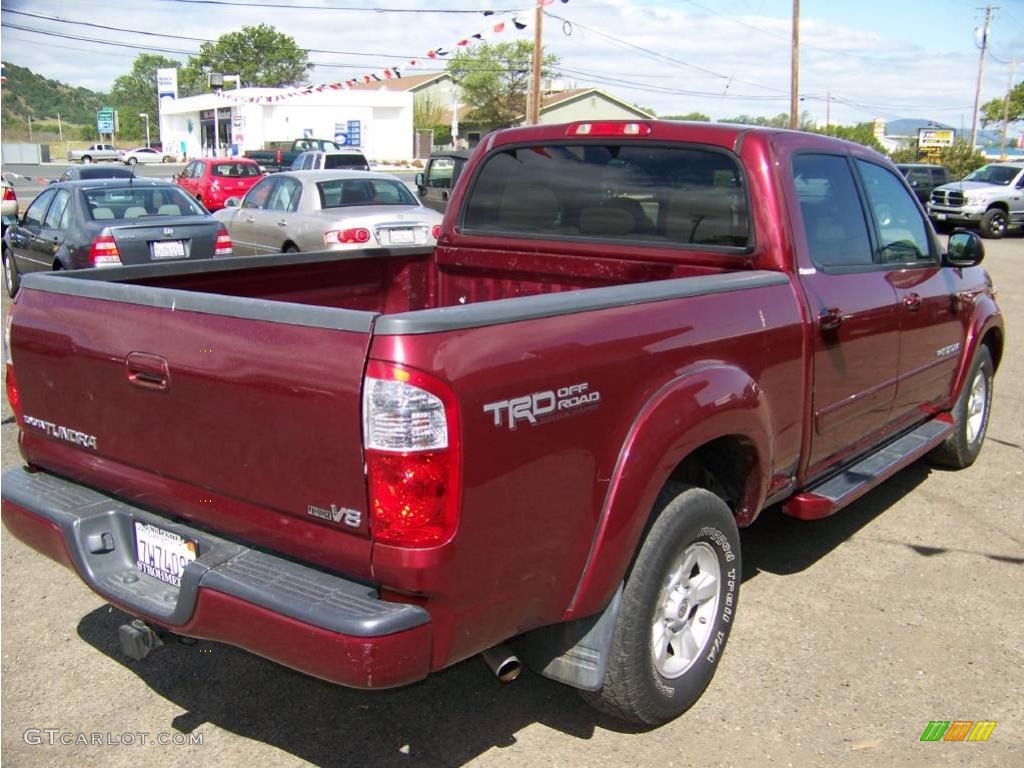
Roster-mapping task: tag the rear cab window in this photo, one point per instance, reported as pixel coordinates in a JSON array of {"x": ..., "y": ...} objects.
[{"x": 641, "y": 193}]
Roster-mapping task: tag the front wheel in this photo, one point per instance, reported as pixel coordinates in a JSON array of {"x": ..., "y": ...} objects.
[
  {"x": 86, "y": 160},
  {"x": 970, "y": 416},
  {"x": 994, "y": 223},
  {"x": 12, "y": 278},
  {"x": 678, "y": 607},
  {"x": 131, "y": 161}
]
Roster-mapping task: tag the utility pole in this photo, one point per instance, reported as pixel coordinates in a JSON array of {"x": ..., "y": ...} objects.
[
  {"x": 981, "y": 71},
  {"x": 828, "y": 108},
  {"x": 60, "y": 129},
  {"x": 794, "y": 84},
  {"x": 533, "y": 103},
  {"x": 1006, "y": 111}
]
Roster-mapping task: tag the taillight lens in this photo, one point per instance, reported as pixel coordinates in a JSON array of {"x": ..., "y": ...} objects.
[
  {"x": 13, "y": 398},
  {"x": 9, "y": 193},
  {"x": 411, "y": 435},
  {"x": 356, "y": 235},
  {"x": 436, "y": 231},
  {"x": 103, "y": 251},
  {"x": 223, "y": 245}
]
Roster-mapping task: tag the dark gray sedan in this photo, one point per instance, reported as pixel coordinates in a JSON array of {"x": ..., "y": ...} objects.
[{"x": 109, "y": 222}]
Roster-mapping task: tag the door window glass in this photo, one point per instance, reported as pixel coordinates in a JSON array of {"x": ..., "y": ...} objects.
[
  {"x": 58, "y": 208},
  {"x": 903, "y": 235},
  {"x": 440, "y": 173},
  {"x": 258, "y": 195},
  {"x": 35, "y": 211},
  {"x": 834, "y": 225},
  {"x": 285, "y": 196}
]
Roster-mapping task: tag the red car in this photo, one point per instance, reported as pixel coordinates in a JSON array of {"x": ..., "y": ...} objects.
[{"x": 213, "y": 180}]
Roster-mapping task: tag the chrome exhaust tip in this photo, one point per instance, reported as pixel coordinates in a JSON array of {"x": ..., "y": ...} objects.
[{"x": 503, "y": 663}]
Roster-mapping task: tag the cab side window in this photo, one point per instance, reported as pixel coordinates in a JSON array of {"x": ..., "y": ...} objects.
[
  {"x": 834, "y": 224},
  {"x": 34, "y": 214},
  {"x": 902, "y": 234}
]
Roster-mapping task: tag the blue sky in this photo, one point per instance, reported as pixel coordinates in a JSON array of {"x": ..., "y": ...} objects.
[{"x": 876, "y": 59}]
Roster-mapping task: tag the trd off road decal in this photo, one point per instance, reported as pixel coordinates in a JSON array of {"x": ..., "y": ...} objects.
[{"x": 543, "y": 406}]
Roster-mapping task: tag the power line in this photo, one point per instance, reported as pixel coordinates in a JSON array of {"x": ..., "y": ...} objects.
[{"x": 351, "y": 8}]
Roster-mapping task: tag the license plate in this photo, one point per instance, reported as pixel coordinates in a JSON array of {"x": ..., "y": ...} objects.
[
  {"x": 940, "y": 216},
  {"x": 168, "y": 249},
  {"x": 162, "y": 554},
  {"x": 401, "y": 236}
]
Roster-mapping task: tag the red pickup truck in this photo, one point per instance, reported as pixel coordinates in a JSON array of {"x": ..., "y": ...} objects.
[{"x": 630, "y": 339}]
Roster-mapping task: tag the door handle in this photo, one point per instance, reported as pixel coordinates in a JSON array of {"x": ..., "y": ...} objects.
[
  {"x": 912, "y": 302},
  {"x": 830, "y": 319},
  {"x": 250, "y": 219},
  {"x": 148, "y": 371},
  {"x": 282, "y": 223}
]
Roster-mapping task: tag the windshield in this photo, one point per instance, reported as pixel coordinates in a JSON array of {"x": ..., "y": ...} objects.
[
  {"x": 338, "y": 193},
  {"x": 136, "y": 202},
  {"x": 994, "y": 174}
]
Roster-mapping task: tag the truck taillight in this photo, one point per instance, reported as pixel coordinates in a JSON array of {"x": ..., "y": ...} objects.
[
  {"x": 223, "y": 245},
  {"x": 356, "y": 235},
  {"x": 411, "y": 436},
  {"x": 9, "y": 193},
  {"x": 103, "y": 251},
  {"x": 13, "y": 398}
]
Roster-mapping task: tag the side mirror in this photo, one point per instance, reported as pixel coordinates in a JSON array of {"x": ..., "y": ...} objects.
[
  {"x": 232, "y": 202},
  {"x": 419, "y": 180},
  {"x": 965, "y": 249}
]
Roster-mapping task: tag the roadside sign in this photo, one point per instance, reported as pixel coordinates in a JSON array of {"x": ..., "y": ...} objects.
[
  {"x": 933, "y": 138},
  {"x": 105, "y": 120}
]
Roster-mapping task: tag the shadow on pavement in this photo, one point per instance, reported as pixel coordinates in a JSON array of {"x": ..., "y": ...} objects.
[
  {"x": 453, "y": 716},
  {"x": 783, "y": 545},
  {"x": 449, "y": 719}
]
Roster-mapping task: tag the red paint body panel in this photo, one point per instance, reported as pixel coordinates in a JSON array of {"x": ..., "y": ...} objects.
[
  {"x": 212, "y": 190},
  {"x": 551, "y": 513}
]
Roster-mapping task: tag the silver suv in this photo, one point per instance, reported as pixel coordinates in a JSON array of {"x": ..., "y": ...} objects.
[{"x": 991, "y": 199}]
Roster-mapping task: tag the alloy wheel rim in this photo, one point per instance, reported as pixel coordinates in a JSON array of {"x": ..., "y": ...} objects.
[
  {"x": 977, "y": 402},
  {"x": 685, "y": 611}
]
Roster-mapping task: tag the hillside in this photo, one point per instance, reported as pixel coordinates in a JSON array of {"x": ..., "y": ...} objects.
[{"x": 27, "y": 94}]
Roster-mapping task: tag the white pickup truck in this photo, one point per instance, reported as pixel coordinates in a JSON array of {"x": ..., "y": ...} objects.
[{"x": 93, "y": 153}]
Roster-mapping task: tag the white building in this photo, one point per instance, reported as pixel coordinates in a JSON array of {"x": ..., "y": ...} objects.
[{"x": 379, "y": 122}]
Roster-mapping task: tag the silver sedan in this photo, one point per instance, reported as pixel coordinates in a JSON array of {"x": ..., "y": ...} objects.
[{"x": 328, "y": 210}]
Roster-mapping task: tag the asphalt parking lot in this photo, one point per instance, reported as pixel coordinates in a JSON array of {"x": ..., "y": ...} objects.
[{"x": 852, "y": 634}]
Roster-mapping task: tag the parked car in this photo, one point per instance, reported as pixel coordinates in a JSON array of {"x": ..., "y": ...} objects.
[
  {"x": 328, "y": 210},
  {"x": 924, "y": 177},
  {"x": 328, "y": 160},
  {"x": 94, "y": 153},
  {"x": 279, "y": 155},
  {"x": 143, "y": 155},
  {"x": 634, "y": 338},
  {"x": 213, "y": 180},
  {"x": 10, "y": 205},
  {"x": 990, "y": 199},
  {"x": 109, "y": 222},
  {"x": 435, "y": 183},
  {"x": 80, "y": 172}
]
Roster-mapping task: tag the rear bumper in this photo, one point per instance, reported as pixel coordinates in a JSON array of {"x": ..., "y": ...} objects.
[{"x": 298, "y": 616}]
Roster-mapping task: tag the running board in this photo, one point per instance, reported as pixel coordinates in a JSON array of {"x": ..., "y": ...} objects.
[{"x": 829, "y": 496}]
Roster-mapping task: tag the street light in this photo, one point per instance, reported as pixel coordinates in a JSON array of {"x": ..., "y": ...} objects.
[{"x": 146, "y": 115}]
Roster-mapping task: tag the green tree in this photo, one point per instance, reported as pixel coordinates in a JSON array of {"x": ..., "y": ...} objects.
[
  {"x": 862, "y": 133},
  {"x": 135, "y": 92},
  {"x": 961, "y": 158},
  {"x": 992, "y": 111},
  {"x": 260, "y": 55},
  {"x": 494, "y": 80},
  {"x": 693, "y": 117},
  {"x": 908, "y": 153},
  {"x": 781, "y": 120}
]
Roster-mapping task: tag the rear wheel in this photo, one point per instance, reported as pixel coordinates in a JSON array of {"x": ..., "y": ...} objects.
[
  {"x": 994, "y": 223},
  {"x": 12, "y": 279},
  {"x": 86, "y": 160},
  {"x": 970, "y": 415},
  {"x": 678, "y": 606},
  {"x": 290, "y": 248},
  {"x": 132, "y": 161}
]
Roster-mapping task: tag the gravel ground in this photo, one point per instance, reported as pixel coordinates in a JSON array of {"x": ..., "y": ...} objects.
[{"x": 853, "y": 633}]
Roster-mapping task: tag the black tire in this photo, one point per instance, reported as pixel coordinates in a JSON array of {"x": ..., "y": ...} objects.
[
  {"x": 132, "y": 161},
  {"x": 290, "y": 248},
  {"x": 12, "y": 278},
  {"x": 962, "y": 447},
  {"x": 942, "y": 227},
  {"x": 86, "y": 160},
  {"x": 994, "y": 223},
  {"x": 694, "y": 524}
]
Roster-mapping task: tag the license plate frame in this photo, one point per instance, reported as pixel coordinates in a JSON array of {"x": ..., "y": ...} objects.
[
  {"x": 940, "y": 217},
  {"x": 162, "y": 554},
  {"x": 167, "y": 249},
  {"x": 402, "y": 236}
]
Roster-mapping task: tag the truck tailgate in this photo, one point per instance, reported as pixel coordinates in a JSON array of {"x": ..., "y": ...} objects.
[{"x": 241, "y": 415}]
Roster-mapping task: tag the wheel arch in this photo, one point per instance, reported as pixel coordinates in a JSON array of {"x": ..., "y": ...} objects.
[{"x": 709, "y": 427}]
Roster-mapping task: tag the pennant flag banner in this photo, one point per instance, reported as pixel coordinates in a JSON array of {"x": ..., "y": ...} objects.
[{"x": 391, "y": 73}]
